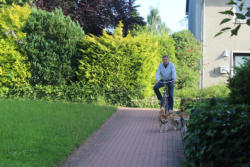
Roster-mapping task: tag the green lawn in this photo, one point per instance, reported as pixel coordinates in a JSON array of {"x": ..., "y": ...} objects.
[{"x": 42, "y": 134}]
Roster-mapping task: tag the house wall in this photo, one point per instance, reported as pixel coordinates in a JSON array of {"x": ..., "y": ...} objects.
[{"x": 215, "y": 46}]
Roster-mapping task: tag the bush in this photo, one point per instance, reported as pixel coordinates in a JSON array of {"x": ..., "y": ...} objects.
[
  {"x": 188, "y": 53},
  {"x": 218, "y": 135},
  {"x": 240, "y": 85},
  {"x": 13, "y": 65},
  {"x": 220, "y": 90},
  {"x": 3, "y": 3},
  {"x": 51, "y": 46},
  {"x": 72, "y": 93},
  {"x": 121, "y": 66}
]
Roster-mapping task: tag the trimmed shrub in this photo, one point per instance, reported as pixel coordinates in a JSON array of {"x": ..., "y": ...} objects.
[
  {"x": 13, "y": 64},
  {"x": 240, "y": 85},
  {"x": 220, "y": 90},
  {"x": 123, "y": 67},
  {"x": 51, "y": 46},
  {"x": 188, "y": 53},
  {"x": 218, "y": 134},
  {"x": 73, "y": 93}
]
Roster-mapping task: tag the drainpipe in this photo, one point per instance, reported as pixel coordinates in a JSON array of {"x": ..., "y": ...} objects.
[{"x": 202, "y": 41}]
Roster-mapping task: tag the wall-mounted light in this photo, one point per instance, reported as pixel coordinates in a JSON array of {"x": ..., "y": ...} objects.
[{"x": 224, "y": 54}]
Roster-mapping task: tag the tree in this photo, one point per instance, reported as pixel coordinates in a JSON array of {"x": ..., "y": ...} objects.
[
  {"x": 155, "y": 23},
  {"x": 243, "y": 13},
  {"x": 96, "y": 15}
]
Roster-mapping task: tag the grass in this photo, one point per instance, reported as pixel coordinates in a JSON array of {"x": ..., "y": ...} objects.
[{"x": 42, "y": 134}]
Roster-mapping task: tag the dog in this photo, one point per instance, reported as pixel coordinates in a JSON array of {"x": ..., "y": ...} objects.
[
  {"x": 163, "y": 119},
  {"x": 184, "y": 119}
]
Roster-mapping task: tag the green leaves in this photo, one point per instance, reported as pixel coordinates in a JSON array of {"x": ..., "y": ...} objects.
[
  {"x": 122, "y": 66},
  {"x": 238, "y": 16},
  {"x": 248, "y": 22},
  {"x": 209, "y": 129},
  {"x": 240, "y": 85},
  {"x": 188, "y": 53},
  {"x": 232, "y": 2},
  {"x": 51, "y": 46},
  {"x": 227, "y": 12},
  {"x": 235, "y": 31},
  {"x": 225, "y": 21}
]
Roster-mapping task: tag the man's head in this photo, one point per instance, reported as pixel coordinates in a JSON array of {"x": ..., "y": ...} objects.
[{"x": 165, "y": 59}]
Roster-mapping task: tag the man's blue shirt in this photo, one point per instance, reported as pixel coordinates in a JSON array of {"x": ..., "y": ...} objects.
[{"x": 166, "y": 73}]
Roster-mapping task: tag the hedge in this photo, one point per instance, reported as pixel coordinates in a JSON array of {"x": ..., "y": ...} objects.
[
  {"x": 218, "y": 134},
  {"x": 51, "y": 45}
]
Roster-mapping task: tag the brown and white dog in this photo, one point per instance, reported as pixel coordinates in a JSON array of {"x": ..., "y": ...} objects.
[
  {"x": 184, "y": 119},
  {"x": 163, "y": 119}
]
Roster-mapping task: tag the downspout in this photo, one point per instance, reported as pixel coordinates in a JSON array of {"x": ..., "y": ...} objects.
[{"x": 202, "y": 41}]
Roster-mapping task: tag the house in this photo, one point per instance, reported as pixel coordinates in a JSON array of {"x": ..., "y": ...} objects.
[{"x": 222, "y": 53}]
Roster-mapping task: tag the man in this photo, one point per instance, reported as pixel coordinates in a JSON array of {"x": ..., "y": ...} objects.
[{"x": 166, "y": 70}]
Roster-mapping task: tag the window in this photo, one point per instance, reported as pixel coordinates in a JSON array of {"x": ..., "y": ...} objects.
[
  {"x": 244, "y": 10},
  {"x": 239, "y": 58}
]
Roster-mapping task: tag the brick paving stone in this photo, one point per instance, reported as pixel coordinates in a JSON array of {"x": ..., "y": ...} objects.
[{"x": 130, "y": 138}]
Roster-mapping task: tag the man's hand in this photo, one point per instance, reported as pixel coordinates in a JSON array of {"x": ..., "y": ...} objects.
[
  {"x": 174, "y": 81},
  {"x": 156, "y": 81}
]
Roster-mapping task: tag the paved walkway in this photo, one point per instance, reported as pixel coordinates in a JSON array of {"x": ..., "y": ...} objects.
[{"x": 130, "y": 138}]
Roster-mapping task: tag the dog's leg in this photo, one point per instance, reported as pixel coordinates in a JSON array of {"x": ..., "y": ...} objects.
[
  {"x": 166, "y": 127},
  {"x": 161, "y": 128}
]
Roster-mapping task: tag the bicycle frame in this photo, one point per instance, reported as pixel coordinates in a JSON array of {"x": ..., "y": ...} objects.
[{"x": 165, "y": 96}]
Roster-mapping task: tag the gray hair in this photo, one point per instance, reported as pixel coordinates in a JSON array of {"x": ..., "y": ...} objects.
[{"x": 165, "y": 56}]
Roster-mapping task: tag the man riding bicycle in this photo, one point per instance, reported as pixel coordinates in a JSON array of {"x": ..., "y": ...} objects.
[{"x": 166, "y": 70}]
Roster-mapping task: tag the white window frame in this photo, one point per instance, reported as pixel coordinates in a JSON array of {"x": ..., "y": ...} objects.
[{"x": 232, "y": 60}]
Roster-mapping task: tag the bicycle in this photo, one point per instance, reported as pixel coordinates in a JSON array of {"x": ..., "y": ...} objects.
[{"x": 164, "y": 102}]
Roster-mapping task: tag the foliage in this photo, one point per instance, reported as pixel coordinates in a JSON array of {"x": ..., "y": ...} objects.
[
  {"x": 220, "y": 90},
  {"x": 121, "y": 66},
  {"x": 71, "y": 93},
  {"x": 43, "y": 134},
  {"x": 13, "y": 70},
  {"x": 96, "y": 15},
  {"x": 12, "y": 19},
  {"x": 155, "y": 23},
  {"x": 3, "y": 3},
  {"x": 240, "y": 84},
  {"x": 51, "y": 46},
  {"x": 152, "y": 102},
  {"x": 188, "y": 53},
  {"x": 218, "y": 134},
  {"x": 242, "y": 14},
  {"x": 13, "y": 66}
]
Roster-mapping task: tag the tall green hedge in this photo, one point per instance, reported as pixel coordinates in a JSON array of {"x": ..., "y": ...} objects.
[
  {"x": 121, "y": 67},
  {"x": 51, "y": 46},
  {"x": 13, "y": 64}
]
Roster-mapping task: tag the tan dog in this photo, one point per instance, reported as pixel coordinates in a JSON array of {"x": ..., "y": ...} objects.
[
  {"x": 184, "y": 119},
  {"x": 175, "y": 120},
  {"x": 163, "y": 120}
]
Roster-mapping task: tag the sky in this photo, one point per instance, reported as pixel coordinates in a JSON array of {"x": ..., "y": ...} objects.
[{"x": 172, "y": 12}]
